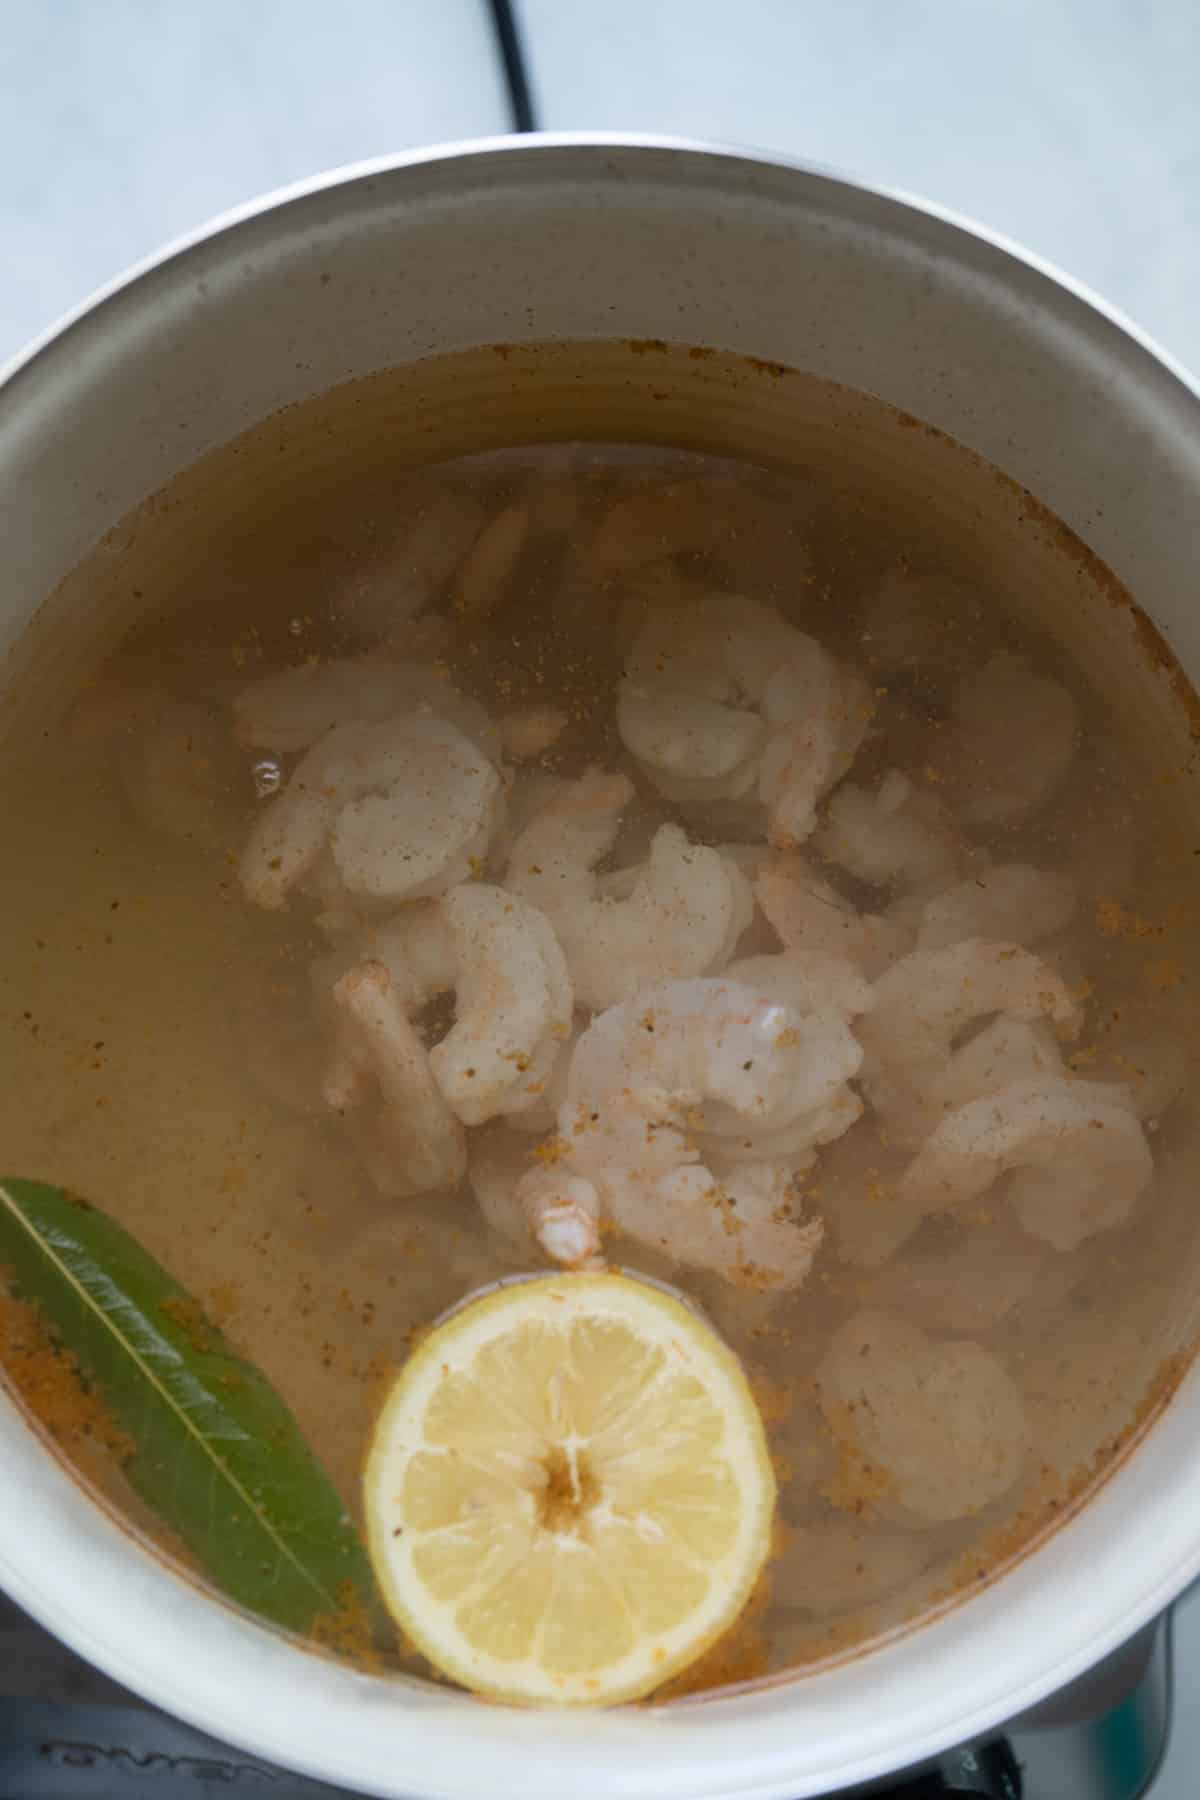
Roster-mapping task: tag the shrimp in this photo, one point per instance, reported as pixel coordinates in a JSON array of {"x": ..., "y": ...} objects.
[
  {"x": 437, "y": 527},
  {"x": 183, "y": 778},
  {"x": 1005, "y": 1052},
  {"x": 897, "y": 837},
  {"x": 1150, "y": 1078},
  {"x": 678, "y": 708},
  {"x": 452, "y": 1261},
  {"x": 534, "y": 1212},
  {"x": 498, "y": 1160},
  {"x": 552, "y": 493},
  {"x": 1077, "y": 1159},
  {"x": 681, "y": 913},
  {"x": 722, "y": 700},
  {"x": 759, "y": 937},
  {"x": 1016, "y": 733},
  {"x": 740, "y": 1221},
  {"x": 124, "y": 698},
  {"x": 807, "y": 913},
  {"x": 406, "y": 808},
  {"x": 1008, "y": 900},
  {"x": 1111, "y": 842},
  {"x": 859, "y": 1188},
  {"x": 181, "y": 775},
  {"x": 410, "y": 1140},
  {"x": 737, "y": 1068},
  {"x": 926, "y": 1000},
  {"x": 689, "y": 1112},
  {"x": 566, "y": 1211},
  {"x": 741, "y": 1224},
  {"x": 854, "y": 1191},
  {"x": 569, "y": 827},
  {"x": 541, "y": 1116},
  {"x": 529, "y": 734},
  {"x": 751, "y": 859},
  {"x": 942, "y": 1422},
  {"x": 528, "y": 791},
  {"x": 483, "y": 577},
  {"x": 514, "y": 1000},
  {"x": 295, "y": 708},
  {"x": 1145, "y": 1079},
  {"x": 513, "y": 994},
  {"x": 807, "y": 981},
  {"x": 710, "y": 516},
  {"x": 904, "y": 624},
  {"x": 969, "y": 1285},
  {"x": 842, "y": 1565}
]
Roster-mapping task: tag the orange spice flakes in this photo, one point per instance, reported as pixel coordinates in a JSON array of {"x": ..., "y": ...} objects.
[
  {"x": 415, "y": 1336},
  {"x": 857, "y": 1484},
  {"x": 742, "y": 1654},
  {"x": 550, "y": 1151},
  {"x": 1046, "y": 1495},
  {"x": 187, "y": 1313},
  {"x": 348, "y": 1632},
  {"x": 47, "y": 1379},
  {"x": 876, "y": 1189},
  {"x": 223, "y": 1301},
  {"x": 772, "y": 1398},
  {"x": 749, "y": 1276},
  {"x": 379, "y": 1374},
  {"x": 1115, "y": 920},
  {"x": 1162, "y": 974}
]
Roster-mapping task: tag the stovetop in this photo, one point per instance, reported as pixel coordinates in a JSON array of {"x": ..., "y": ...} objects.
[{"x": 69, "y": 1733}]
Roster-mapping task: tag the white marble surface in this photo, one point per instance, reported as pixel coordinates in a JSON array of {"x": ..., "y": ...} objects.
[
  {"x": 1071, "y": 126},
  {"x": 126, "y": 122}
]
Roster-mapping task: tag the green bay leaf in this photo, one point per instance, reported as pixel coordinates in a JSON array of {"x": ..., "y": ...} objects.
[{"x": 217, "y": 1454}]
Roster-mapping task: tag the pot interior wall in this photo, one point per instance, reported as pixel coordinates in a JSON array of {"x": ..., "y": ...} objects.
[
  {"x": 238, "y": 515},
  {"x": 792, "y": 268},
  {"x": 629, "y": 391}
]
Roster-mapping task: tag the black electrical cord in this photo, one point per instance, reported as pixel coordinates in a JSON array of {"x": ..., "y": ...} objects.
[{"x": 516, "y": 76}]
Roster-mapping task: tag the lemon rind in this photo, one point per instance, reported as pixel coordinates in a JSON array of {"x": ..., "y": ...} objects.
[{"x": 452, "y": 1347}]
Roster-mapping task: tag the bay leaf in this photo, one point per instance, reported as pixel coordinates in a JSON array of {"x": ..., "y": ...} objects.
[{"x": 217, "y": 1454}]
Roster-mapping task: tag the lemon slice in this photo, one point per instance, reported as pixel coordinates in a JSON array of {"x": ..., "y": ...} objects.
[{"x": 568, "y": 1491}]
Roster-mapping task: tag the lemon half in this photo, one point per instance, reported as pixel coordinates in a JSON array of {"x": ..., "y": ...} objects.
[{"x": 568, "y": 1491}]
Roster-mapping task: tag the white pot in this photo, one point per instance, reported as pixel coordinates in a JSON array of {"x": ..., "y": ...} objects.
[{"x": 561, "y": 237}]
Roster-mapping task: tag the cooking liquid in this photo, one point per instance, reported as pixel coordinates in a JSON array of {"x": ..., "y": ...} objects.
[{"x": 158, "y": 1025}]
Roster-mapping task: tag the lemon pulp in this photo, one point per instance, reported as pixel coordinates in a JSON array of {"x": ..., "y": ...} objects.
[{"x": 568, "y": 1491}]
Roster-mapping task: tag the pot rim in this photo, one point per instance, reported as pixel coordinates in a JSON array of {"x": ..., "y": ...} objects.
[
  {"x": 451, "y": 149},
  {"x": 122, "y": 1608}
]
